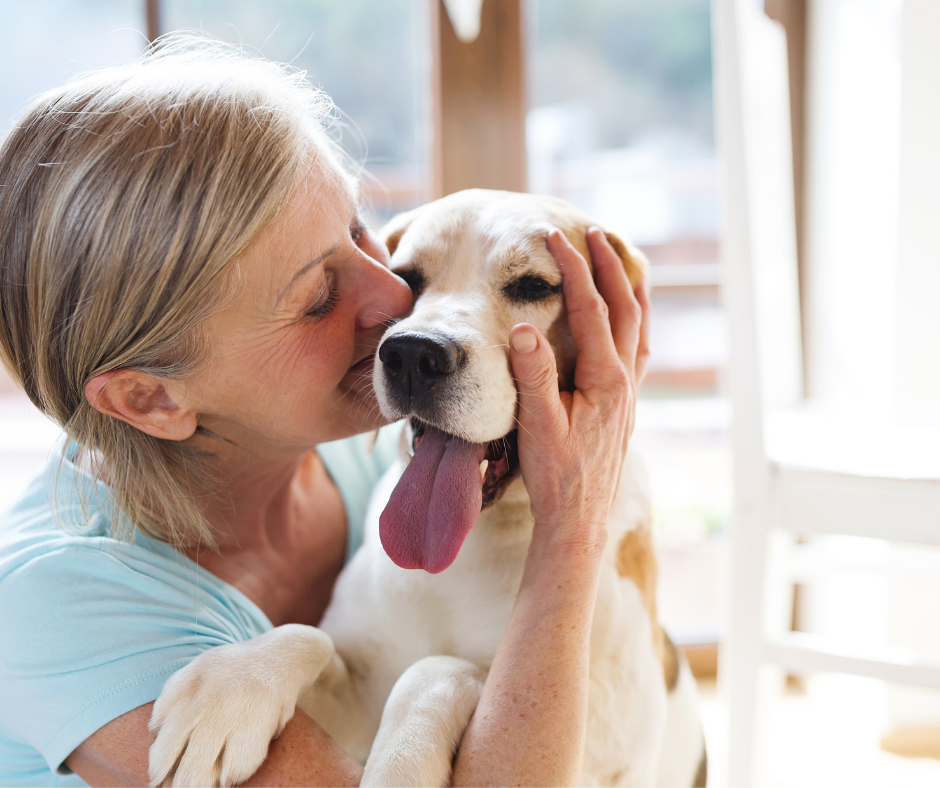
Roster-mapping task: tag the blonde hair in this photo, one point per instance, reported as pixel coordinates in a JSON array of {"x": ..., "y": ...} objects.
[{"x": 125, "y": 198}]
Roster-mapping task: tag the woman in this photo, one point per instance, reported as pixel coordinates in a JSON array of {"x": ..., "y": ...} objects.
[{"x": 187, "y": 288}]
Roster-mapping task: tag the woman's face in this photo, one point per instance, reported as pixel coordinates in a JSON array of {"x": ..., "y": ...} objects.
[{"x": 291, "y": 356}]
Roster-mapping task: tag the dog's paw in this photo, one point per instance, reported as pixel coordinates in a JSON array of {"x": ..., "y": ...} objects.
[
  {"x": 423, "y": 721},
  {"x": 215, "y": 718}
]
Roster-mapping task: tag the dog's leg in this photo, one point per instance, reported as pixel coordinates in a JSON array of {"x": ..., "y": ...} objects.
[
  {"x": 214, "y": 719},
  {"x": 424, "y": 719}
]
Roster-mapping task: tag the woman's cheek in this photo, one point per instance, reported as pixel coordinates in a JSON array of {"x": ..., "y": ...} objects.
[{"x": 321, "y": 349}]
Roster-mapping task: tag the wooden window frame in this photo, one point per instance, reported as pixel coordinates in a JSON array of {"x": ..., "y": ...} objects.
[
  {"x": 479, "y": 100},
  {"x": 791, "y": 15}
]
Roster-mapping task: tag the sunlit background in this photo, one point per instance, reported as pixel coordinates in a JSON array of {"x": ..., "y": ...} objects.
[{"x": 620, "y": 121}]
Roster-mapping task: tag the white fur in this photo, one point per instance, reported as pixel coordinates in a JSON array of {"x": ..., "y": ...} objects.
[{"x": 416, "y": 645}]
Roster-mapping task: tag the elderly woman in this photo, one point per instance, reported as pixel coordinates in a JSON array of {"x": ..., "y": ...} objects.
[{"x": 188, "y": 289}]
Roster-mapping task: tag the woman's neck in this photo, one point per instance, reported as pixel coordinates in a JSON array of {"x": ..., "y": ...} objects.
[{"x": 281, "y": 532}]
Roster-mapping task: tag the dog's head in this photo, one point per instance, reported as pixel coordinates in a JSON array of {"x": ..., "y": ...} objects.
[{"x": 478, "y": 265}]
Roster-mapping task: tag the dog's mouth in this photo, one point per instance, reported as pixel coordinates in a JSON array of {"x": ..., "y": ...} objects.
[
  {"x": 499, "y": 466},
  {"x": 439, "y": 497}
]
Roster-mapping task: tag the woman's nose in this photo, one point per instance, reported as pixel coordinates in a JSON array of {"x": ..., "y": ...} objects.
[{"x": 387, "y": 297}]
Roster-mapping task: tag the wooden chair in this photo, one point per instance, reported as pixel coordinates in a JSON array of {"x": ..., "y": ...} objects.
[{"x": 799, "y": 470}]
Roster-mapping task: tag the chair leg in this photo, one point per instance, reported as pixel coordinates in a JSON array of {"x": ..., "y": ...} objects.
[
  {"x": 741, "y": 660},
  {"x": 741, "y": 666},
  {"x": 762, "y": 604}
]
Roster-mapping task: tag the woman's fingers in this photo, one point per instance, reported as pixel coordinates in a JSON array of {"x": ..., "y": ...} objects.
[
  {"x": 541, "y": 415},
  {"x": 626, "y": 317},
  {"x": 588, "y": 316},
  {"x": 643, "y": 349}
]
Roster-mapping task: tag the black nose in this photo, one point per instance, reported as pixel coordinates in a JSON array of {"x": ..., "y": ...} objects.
[{"x": 414, "y": 363}]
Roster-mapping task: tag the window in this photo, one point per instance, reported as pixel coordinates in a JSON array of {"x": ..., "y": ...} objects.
[
  {"x": 620, "y": 123},
  {"x": 372, "y": 58},
  {"x": 42, "y": 43}
]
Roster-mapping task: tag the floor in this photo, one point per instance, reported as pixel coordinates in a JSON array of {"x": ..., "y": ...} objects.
[
  {"x": 828, "y": 733},
  {"x": 824, "y": 736}
]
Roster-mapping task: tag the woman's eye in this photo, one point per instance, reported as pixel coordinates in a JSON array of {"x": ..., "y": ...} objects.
[
  {"x": 529, "y": 289},
  {"x": 356, "y": 231},
  {"x": 325, "y": 305}
]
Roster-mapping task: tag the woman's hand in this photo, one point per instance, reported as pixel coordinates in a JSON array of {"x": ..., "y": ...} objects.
[
  {"x": 530, "y": 725},
  {"x": 572, "y": 445}
]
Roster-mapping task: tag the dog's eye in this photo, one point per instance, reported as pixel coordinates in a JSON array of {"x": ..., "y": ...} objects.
[
  {"x": 528, "y": 289},
  {"x": 413, "y": 278}
]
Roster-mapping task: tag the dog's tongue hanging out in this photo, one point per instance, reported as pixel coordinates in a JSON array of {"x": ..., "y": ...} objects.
[{"x": 436, "y": 503}]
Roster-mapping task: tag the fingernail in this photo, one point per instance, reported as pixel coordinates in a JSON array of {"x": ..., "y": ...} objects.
[{"x": 524, "y": 342}]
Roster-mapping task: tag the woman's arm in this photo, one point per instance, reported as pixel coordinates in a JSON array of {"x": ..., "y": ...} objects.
[
  {"x": 529, "y": 727},
  {"x": 303, "y": 754}
]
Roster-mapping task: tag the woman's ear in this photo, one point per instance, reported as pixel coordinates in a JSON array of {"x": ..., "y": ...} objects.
[{"x": 153, "y": 405}]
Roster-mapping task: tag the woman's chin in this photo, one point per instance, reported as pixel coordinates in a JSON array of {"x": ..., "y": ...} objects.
[{"x": 363, "y": 407}]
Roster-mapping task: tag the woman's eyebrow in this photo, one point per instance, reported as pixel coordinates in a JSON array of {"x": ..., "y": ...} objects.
[{"x": 312, "y": 264}]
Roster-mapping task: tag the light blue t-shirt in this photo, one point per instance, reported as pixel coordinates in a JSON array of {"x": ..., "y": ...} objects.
[{"x": 91, "y": 627}]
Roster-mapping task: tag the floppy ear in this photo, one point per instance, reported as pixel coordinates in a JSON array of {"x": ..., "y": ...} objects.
[
  {"x": 634, "y": 261},
  {"x": 392, "y": 232}
]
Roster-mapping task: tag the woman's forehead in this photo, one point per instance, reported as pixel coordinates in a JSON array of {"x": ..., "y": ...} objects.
[
  {"x": 315, "y": 218},
  {"x": 322, "y": 189}
]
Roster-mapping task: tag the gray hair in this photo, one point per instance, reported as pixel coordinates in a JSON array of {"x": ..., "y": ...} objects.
[{"x": 127, "y": 196}]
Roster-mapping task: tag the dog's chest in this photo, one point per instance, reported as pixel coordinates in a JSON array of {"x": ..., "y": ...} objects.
[
  {"x": 476, "y": 594},
  {"x": 627, "y": 698}
]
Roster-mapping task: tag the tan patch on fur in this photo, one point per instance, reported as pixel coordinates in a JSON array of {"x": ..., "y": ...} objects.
[
  {"x": 636, "y": 561},
  {"x": 393, "y": 231},
  {"x": 634, "y": 261},
  {"x": 670, "y": 662},
  {"x": 701, "y": 776},
  {"x": 391, "y": 242}
]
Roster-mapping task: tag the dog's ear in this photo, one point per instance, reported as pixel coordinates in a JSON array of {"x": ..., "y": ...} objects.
[
  {"x": 393, "y": 231},
  {"x": 634, "y": 261}
]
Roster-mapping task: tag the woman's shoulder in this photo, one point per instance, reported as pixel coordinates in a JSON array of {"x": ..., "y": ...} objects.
[
  {"x": 93, "y": 625},
  {"x": 57, "y": 554},
  {"x": 34, "y": 527},
  {"x": 62, "y": 511}
]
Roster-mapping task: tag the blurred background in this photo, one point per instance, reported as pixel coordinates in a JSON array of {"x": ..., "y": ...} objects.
[{"x": 611, "y": 104}]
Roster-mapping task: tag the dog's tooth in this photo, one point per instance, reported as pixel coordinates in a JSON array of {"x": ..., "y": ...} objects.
[
  {"x": 483, "y": 466},
  {"x": 408, "y": 458}
]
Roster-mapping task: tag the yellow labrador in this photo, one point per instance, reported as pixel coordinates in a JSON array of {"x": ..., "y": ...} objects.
[{"x": 395, "y": 670}]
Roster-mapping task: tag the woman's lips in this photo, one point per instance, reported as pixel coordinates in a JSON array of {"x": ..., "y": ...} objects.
[
  {"x": 363, "y": 363},
  {"x": 360, "y": 373}
]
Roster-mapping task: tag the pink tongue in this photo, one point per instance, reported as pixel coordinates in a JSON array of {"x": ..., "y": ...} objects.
[{"x": 436, "y": 503}]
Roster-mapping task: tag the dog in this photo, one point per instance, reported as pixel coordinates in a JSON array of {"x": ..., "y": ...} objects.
[{"x": 397, "y": 666}]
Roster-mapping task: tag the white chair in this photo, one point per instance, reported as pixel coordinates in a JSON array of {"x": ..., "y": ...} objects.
[{"x": 798, "y": 471}]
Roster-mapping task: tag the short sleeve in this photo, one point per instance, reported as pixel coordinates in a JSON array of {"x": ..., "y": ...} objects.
[{"x": 93, "y": 629}]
